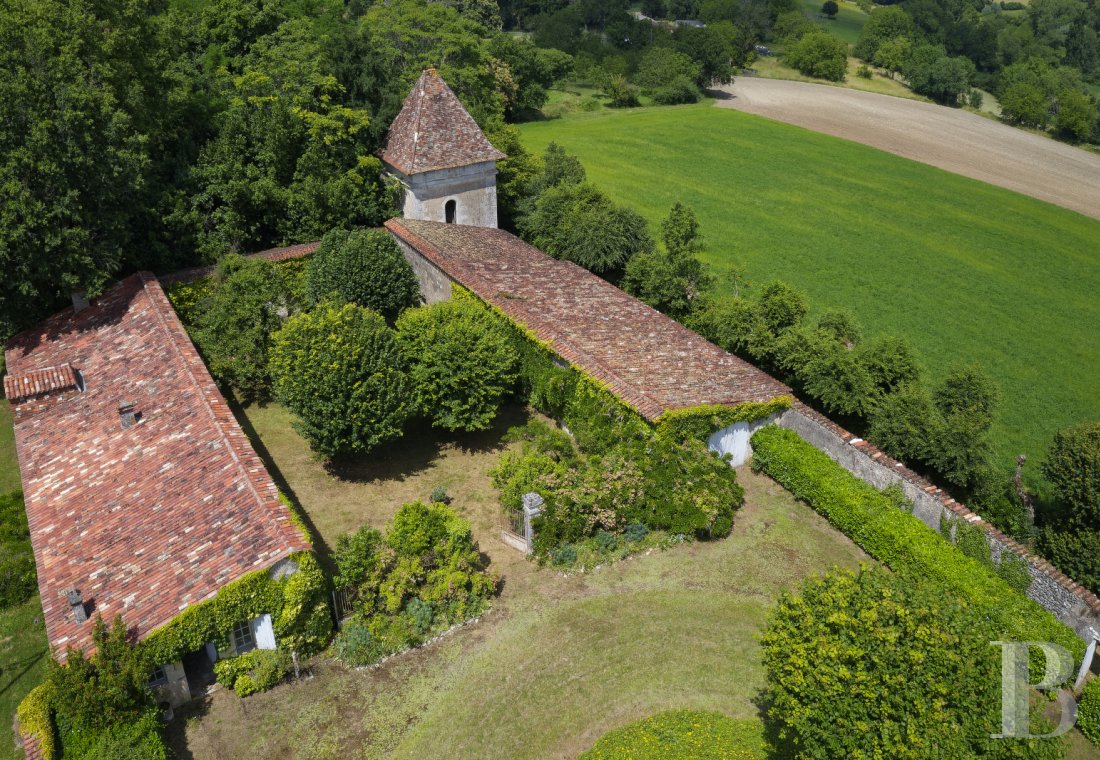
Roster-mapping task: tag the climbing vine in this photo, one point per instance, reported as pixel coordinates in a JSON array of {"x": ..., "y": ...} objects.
[
  {"x": 296, "y": 602},
  {"x": 699, "y": 422}
]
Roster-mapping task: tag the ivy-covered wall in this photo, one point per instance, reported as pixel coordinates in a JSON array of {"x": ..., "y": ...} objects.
[{"x": 296, "y": 602}]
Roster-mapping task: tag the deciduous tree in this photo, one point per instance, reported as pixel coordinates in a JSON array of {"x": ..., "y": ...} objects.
[
  {"x": 338, "y": 368},
  {"x": 364, "y": 267},
  {"x": 461, "y": 362}
]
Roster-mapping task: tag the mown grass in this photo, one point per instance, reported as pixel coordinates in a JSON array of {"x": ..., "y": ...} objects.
[
  {"x": 23, "y": 657},
  {"x": 559, "y": 661},
  {"x": 970, "y": 272},
  {"x": 848, "y": 23},
  {"x": 9, "y": 465}
]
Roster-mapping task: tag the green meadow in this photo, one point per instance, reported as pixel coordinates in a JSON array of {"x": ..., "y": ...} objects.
[
  {"x": 969, "y": 272},
  {"x": 848, "y": 23}
]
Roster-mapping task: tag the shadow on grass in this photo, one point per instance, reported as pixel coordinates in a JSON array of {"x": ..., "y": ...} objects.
[
  {"x": 175, "y": 732},
  {"x": 24, "y": 666},
  {"x": 320, "y": 547},
  {"x": 421, "y": 445}
]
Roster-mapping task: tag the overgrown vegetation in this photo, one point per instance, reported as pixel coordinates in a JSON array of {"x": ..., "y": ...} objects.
[
  {"x": 421, "y": 576},
  {"x": 18, "y": 576},
  {"x": 850, "y": 651},
  {"x": 363, "y": 267},
  {"x": 102, "y": 707},
  {"x": 615, "y": 496}
]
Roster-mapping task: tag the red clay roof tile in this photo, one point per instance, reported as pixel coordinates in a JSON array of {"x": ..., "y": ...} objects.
[
  {"x": 650, "y": 361},
  {"x": 149, "y": 519},
  {"x": 433, "y": 131}
]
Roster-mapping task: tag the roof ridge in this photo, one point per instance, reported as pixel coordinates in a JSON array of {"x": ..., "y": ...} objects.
[{"x": 579, "y": 357}]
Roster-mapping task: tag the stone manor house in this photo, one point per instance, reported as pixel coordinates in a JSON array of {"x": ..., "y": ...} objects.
[{"x": 145, "y": 497}]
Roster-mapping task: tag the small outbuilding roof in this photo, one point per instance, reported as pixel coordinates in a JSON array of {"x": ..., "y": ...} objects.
[
  {"x": 433, "y": 131},
  {"x": 650, "y": 361},
  {"x": 142, "y": 490}
]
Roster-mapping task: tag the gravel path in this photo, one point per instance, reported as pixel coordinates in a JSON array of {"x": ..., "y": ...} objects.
[{"x": 948, "y": 138}]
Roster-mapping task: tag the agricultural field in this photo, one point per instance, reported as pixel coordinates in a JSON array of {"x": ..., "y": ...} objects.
[
  {"x": 970, "y": 272},
  {"x": 560, "y": 659},
  {"x": 848, "y": 22}
]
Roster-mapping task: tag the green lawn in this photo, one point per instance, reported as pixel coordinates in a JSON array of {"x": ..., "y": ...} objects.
[
  {"x": 970, "y": 272},
  {"x": 559, "y": 661},
  {"x": 9, "y": 466},
  {"x": 848, "y": 22},
  {"x": 23, "y": 657}
]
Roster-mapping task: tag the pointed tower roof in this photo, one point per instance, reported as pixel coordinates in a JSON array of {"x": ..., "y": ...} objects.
[{"x": 433, "y": 131}]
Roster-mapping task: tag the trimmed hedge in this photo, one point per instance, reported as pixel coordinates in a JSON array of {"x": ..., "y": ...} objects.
[
  {"x": 900, "y": 540},
  {"x": 682, "y": 735},
  {"x": 1088, "y": 711}
]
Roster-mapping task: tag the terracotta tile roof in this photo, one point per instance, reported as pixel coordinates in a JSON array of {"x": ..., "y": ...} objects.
[
  {"x": 433, "y": 131},
  {"x": 650, "y": 361},
  {"x": 40, "y": 382},
  {"x": 144, "y": 520}
]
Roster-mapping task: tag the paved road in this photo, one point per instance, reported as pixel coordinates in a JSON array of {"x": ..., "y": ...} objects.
[{"x": 949, "y": 138}]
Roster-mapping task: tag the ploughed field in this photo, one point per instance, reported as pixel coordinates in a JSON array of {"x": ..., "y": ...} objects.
[{"x": 968, "y": 271}]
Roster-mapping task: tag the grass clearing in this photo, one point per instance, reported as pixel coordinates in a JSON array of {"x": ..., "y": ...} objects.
[
  {"x": 23, "y": 657},
  {"x": 966, "y": 270},
  {"x": 848, "y": 23},
  {"x": 560, "y": 659},
  {"x": 9, "y": 465},
  {"x": 771, "y": 67}
]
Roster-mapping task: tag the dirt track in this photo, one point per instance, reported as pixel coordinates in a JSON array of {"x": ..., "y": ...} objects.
[{"x": 949, "y": 138}]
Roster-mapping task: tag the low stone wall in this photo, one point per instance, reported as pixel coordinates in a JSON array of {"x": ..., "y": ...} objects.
[{"x": 1070, "y": 602}]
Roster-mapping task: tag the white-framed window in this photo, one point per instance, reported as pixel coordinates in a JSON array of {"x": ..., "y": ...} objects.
[
  {"x": 243, "y": 640},
  {"x": 158, "y": 678}
]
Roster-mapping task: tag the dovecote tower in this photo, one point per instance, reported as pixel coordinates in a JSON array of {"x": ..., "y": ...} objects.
[{"x": 441, "y": 157}]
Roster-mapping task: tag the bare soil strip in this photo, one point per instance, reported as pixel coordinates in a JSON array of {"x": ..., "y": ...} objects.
[{"x": 948, "y": 138}]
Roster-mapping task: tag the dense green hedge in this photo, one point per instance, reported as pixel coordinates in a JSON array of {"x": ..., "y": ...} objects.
[
  {"x": 899, "y": 539},
  {"x": 1088, "y": 711},
  {"x": 683, "y": 735},
  {"x": 35, "y": 714}
]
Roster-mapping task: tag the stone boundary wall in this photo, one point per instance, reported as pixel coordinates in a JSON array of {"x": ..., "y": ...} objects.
[{"x": 1070, "y": 602}]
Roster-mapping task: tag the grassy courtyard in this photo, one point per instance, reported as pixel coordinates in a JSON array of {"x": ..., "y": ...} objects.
[
  {"x": 559, "y": 660},
  {"x": 970, "y": 272}
]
